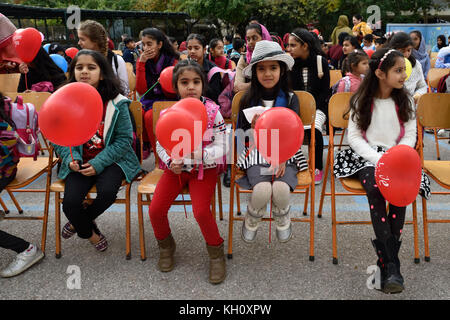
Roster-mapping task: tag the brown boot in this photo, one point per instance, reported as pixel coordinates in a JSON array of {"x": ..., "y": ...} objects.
[
  {"x": 166, "y": 251},
  {"x": 217, "y": 267}
]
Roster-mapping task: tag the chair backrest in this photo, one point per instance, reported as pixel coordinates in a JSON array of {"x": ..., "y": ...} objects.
[
  {"x": 307, "y": 107},
  {"x": 433, "y": 54},
  {"x": 9, "y": 82},
  {"x": 136, "y": 111},
  {"x": 131, "y": 76},
  {"x": 339, "y": 104},
  {"x": 119, "y": 52},
  {"x": 158, "y": 106},
  {"x": 36, "y": 98},
  {"x": 335, "y": 76},
  {"x": 433, "y": 110},
  {"x": 434, "y": 75},
  {"x": 433, "y": 62},
  {"x": 235, "y": 107}
]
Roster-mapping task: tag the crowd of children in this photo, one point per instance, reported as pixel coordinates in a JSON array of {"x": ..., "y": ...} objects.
[{"x": 268, "y": 69}]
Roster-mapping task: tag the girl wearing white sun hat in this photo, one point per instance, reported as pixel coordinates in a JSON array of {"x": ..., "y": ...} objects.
[{"x": 269, "y": 87}]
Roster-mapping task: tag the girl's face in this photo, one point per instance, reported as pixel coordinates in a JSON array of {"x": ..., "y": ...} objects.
[
  {"x": 85, "y": 42},
  {"x": 196, "y": 51},
  {"x": 268, "y": 73},
  {"x": 406, "y": 51},
  {"x": 415, "y": 40},
  {"x": 87, "y": 70},
  {"x": 297, "y": 49},
  {"x": 151, "y": 45},
  {"x": 189, "y": 84},
  {"x": 396, "y": 76},
  {"x": 362, "y": 67},
  {"x": 439, "y": 41},
  {"x": 347, "y": 47},
  {"x": 355, "y": 21},
  {"x": 252, "y": 37},
  {"x": 218, "y": 50}
]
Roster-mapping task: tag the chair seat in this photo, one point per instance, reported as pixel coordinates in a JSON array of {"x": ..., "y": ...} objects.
[
  {"x": 439, "y": 169},
  {"x": 352, "y": 183},
  {"x": 58, "y": 186},
  {"x": 28, "y": 170},
  {"x": 150, "y": 181},
  {"x": 303, "y": 177}
]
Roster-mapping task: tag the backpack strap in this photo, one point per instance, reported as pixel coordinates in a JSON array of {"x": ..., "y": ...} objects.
[
  {"x": 319, "y": 66},
  {"x": 347, "y": 84}
]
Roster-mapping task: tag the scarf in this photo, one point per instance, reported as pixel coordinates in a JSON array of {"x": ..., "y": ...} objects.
[
  {"x": 153, "y": 70},
  {"x": 265, "y": 36},
  {"x": 422, "y": 56}
]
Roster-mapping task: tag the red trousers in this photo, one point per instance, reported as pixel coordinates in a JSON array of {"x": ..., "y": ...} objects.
[
  {"x": 148, "y": 134},
  {"x": 201, "y": 191}
]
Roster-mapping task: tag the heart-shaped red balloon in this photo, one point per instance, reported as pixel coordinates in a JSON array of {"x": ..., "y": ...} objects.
[
  {"x": 278, "y": 134},
  {"x": 398, "y": 175},
  {"x": 27, "y": 43},
  {"x": 180, "y": 129},
  {"x": 71, "y": 115}
]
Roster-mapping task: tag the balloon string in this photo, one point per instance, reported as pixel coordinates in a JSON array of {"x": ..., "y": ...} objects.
[
  {"x": 270, "y": 220},
  {"x": 182, "y": 197},
  {"x": 150, "y": 89},
  {"x": 70, "y": 148},
  {"x": 26, "y": 81}
]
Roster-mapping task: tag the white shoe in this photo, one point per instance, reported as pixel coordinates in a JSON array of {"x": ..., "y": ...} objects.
[
  {"x": 442, "y": 133},
  {"x": 23, "y": 261}
]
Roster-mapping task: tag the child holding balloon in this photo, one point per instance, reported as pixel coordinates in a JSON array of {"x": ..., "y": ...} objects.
[
  {"x": 381, "y": 116},
  {"x": 270, "y": 87},
  {"x": 198, "y": 170},
  {"x": 158, "y": 54},
  {"x": 40, "y": 71},
  {"x": 105, "y": 160}
]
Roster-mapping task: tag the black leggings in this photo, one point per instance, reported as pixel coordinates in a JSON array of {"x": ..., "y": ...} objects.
[
  {"x": 318, "y": 147},
  {"x": 384, "y": 225},
  {"x": 77, "y": 187},
  {"x": 8, "y": 241}
]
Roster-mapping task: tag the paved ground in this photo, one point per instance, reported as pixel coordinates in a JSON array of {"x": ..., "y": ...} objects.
[{"x": 261, "y": 270}]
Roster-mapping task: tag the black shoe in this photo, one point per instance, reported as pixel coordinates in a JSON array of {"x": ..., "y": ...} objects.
[
  {"x": 391, "y": 279},
  {"x": 227, "y": 177}
]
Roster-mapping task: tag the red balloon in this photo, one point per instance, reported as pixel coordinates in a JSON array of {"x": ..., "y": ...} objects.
[
  {"x": 398, "y": 175},
  {"x": 27, "y": 43},
  {"x": 165, "y": 79},
  {"x": 369, "y": 52},
  {"x": 278, "y": 134},
  {"x": 71, "y": 52},
  {"x": 180, "y": 129},
  {"x": 71, "y": 115}
]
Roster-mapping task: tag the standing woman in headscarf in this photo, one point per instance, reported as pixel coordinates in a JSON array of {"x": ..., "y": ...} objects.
[
  {"x": 254, "y": 33},
  {"x": 342, "y": 26},
  {"x": 419, "y": 51}
]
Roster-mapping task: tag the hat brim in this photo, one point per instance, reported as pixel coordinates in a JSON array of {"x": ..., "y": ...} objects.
[{"x": 284, "y": 57}]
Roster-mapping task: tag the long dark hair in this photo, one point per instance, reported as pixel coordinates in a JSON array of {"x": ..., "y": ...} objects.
[
  {"x": 361, "y": 101},
  {"x": 256, "y": 91},
  {"x": 302, "y": 36},
  {"x": 400, "y": 40},
  {"x": 353, "y": 59},
  {"x": 444, "y": 41},
  {"x": 159, "y": 36},
  {"x": 192, "y": 65},
  {"x": 3, "y": 114},
  {"x": 109, "y": 86}
]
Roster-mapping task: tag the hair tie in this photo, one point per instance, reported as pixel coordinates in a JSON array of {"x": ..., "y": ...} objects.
[
  {"x": 297, "y": 37},
  {"x": 385, "y": 56}
]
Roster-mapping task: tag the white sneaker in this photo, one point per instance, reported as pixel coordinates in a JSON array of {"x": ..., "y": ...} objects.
[
  {"x": 23, "y": 261},
  {"x": 442, "y": 133}
]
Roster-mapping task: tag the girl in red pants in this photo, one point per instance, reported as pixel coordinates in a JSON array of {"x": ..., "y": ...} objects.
[{"x": 199, "y": 172}]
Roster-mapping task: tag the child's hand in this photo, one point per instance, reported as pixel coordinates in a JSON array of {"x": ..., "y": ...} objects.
[
  {"x": 23, "y": 68},
  {"x": 87, "y": 170},
  {"x": 176, "y": 167},
  {"x": 281, "y": 170},
  {"x": 74, "y": 166}
]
